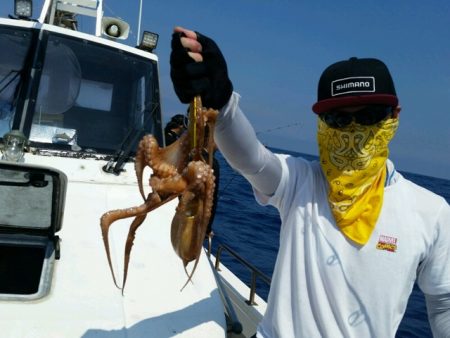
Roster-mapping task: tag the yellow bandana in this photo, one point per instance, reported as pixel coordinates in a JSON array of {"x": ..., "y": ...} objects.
[{"x": 353, "y": 160}]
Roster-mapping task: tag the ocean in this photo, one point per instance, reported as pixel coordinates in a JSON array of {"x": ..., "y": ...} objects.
[{"x": 253, "y": 232}]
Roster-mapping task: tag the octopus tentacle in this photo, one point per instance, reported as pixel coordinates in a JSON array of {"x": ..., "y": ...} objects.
[
  {"x": 153, "y": 201},
  {"x": 151, "y": 205},
  {"x": 147, "y": 148},
  {"x": 138, "y": 220},
  {"x": 211, "y": 122},
  {"x": 105, "y": 223},
  {"x": 139, "y": 166}
]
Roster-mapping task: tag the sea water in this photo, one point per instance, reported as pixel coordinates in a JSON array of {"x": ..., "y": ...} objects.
[{"x": 253, "y": 231}]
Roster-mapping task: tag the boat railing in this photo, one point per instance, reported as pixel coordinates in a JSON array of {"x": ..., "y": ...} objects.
[{"x": 255, "y": 272}]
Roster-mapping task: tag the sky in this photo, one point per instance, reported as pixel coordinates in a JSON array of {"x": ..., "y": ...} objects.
[{"x": 276, "y": 51}]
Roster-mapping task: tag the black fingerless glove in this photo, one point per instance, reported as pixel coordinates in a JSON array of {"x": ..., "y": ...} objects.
[{"x": 208, "y": 78}]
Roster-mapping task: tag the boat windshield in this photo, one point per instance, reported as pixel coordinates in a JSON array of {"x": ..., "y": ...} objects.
[
  {"x": 14, "y": 44},
  {"x": 93, "y": 97}
]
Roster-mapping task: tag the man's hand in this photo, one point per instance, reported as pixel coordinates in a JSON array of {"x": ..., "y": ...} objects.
[{"x": 199, "y": 68}]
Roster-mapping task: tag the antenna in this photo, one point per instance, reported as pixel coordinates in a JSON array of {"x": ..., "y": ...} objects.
[{"x": 139, "y": 23}]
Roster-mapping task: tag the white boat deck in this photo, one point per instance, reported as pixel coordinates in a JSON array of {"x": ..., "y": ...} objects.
[{"x": 84, "y": 302}]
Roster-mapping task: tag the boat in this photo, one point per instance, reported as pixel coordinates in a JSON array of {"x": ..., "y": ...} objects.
[{"x": 73, "y": 106}]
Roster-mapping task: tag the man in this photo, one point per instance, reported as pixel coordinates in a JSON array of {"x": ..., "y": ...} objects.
[
  {"x": 355, "y": 234},
  {"x": 174, "y": 128}
]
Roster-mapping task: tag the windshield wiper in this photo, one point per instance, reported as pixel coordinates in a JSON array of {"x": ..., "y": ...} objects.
[{"x": 123, "y": 154}]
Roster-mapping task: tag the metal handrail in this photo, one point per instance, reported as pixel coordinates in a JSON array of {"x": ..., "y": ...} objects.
[{"x": 255, "y": 271}]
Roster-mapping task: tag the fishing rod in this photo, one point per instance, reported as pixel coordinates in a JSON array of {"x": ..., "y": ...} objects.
[{"x": 278, "y": 128}]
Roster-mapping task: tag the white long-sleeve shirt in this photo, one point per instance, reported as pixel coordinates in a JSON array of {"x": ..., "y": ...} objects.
[{"x": 323, "y": 285}]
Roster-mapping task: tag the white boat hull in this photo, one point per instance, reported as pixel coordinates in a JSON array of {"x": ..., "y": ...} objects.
[{"x": 84, "y": 302}]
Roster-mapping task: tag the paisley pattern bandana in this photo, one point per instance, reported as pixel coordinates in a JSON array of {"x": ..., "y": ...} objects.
[{"x": 353, "y": 160}]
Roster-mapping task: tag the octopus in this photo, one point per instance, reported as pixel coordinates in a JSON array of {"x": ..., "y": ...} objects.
[{"x": 181, "y": 171}]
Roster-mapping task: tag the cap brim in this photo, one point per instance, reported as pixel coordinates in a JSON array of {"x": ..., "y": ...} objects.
[{"x": 349, "y": 101}]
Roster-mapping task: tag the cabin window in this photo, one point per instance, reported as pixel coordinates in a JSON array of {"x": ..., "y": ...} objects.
[
  {"x": 14, "y": 44},
  {"x": 94, "y": 96}
]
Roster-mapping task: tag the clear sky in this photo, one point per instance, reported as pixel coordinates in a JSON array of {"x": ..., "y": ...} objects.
[{"x": 276, "y": 51}]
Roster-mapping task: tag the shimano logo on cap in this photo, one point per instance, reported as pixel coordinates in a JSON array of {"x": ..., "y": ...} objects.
[{"x": 358, "y": 84}]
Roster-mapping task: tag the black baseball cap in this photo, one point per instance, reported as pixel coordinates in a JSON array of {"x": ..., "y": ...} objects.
[{"x": 355, "y": 82}]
